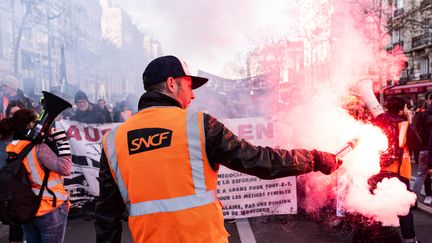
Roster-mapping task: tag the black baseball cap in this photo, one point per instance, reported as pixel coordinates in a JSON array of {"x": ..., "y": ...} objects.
[{"x": 161, "y": 68}]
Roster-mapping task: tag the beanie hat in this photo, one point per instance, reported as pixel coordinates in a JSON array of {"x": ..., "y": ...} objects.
[
  {"x": 11, "y": 82},
  {"x": 80, "y": 95}
]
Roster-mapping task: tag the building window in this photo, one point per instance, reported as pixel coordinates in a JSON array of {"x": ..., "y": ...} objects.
[
  {"x": 427, "y": 26},
  {"x": 397, "y": 36},
  {"x": 26, "y": 59},
  {"x": 424, "y": 65}
]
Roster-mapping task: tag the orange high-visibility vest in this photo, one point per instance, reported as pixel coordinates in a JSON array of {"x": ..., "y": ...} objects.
[
  {"x": 159, "y": 163},
  {"x": 402, "y": 168},
  {"x": 126, "y": 114},
  {"x": 36, "y": 175}
]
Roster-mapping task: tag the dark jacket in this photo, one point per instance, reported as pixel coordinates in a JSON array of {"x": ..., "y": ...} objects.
[
  {"x": 424, "y": 127},
  {"x": 222, "y": 148},
  {"x": 92, "y": 115},
  {"x": 106, "y": 114}
]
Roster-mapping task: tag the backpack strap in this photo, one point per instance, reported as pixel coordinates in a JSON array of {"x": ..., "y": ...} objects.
[
  {"x": 45, "y": 185},
  {"x": 19, "y": 157}
]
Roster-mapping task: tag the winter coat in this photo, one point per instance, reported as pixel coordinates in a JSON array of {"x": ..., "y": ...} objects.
[
  {"x": 106, "y": 113},
  {"x": 92, "y": 115}
]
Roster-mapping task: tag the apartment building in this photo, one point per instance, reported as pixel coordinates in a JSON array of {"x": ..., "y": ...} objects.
[
  {"x": 63, "y": 45},
  {"x": 415, "y": 35}
]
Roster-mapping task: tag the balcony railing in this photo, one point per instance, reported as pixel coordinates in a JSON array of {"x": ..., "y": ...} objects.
[
  {"x": 406, "y": 75},
  {"x": 425, "y": 76},
  {"x": 403, "y": 80},
  {"x": 421, "y": 40}
]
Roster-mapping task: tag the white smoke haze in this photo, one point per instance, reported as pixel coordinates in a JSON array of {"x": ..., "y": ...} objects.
[
  {"x": 210, "y": 34},
  {"x": 213, "y": 34},
  {"x": 319, "y": 122}
]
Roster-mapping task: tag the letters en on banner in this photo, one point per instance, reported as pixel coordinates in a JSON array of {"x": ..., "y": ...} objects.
[
  {"x": 241, "y": 195},
  {"x": 248, "y": 196}
]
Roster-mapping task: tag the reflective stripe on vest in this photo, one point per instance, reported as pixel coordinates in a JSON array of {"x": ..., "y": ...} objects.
[
  {"x": 59, "y": 196},
  {"x": 201, "y": 196},
  {"x": 38, "y": 180},
  {"x": 194, "y": 143},
  {"x": 111, "y": 154},
  {"x": 35, "y": 175}
]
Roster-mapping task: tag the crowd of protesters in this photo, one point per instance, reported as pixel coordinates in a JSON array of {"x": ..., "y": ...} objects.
[
  {"x": 18, "y": 113},
  {"x": 423, "y": 123},
  {"x": 101, "y": 111}
]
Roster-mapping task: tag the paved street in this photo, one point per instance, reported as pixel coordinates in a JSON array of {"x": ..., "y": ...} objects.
[{"x": 298, "y": 229}]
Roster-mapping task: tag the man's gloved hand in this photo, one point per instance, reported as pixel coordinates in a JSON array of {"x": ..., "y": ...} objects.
[
  {"x": 325, "y": 162},
  {"x": 62, "y": 142}
]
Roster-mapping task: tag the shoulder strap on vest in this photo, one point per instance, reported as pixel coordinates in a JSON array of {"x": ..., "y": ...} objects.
[
  {"x": 19, "y": 157},
  {"x": 401, "y": 129}
]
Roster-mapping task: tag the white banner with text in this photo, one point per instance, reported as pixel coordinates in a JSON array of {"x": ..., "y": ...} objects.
[
  {"x": 248, "y": 196},
  {"x": 241, "y": 195}
]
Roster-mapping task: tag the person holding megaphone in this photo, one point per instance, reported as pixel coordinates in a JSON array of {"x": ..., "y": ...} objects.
[{"x": 43, "y": 157}]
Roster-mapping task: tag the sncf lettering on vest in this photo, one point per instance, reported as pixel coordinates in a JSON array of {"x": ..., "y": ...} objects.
[{"x": 146, "y": 139}]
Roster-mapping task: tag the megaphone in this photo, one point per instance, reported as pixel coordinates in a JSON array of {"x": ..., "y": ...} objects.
[
  {"x": 364, "y": 90},
  {"x": 52, "y": 106}
]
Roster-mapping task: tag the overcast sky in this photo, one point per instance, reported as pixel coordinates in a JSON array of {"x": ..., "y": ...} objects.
[{"x": 209, "y": 35}]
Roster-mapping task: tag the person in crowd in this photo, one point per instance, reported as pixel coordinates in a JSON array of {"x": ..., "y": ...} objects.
[
  {"x": 15, "y": 231},
  {"x": 49, "y": 224},
  {"x": 86, "y": 112},
  {"x": 123, "y": 112},
  {"x": 14, "y": 106},
  {"x": 423, "y": 124},
  {"x": 132, "y": 101},
  {"x": 10, "y": 90},
  {"x": 162, "y": 164},
  {"x": 102, "y": 107},
  {"x": 394, "y": 162}
]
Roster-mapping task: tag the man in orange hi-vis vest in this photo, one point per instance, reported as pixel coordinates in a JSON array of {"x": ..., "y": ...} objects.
[{"x": 162, "y": 164}]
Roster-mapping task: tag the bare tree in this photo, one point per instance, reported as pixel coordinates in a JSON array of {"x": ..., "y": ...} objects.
[{"x": 26, "y": 14}]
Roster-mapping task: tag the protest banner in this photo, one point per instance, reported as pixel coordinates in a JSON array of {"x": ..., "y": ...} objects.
[
  {"x": 241, "y": 195},
  {"x": 248, "y": 196},
  {"x": 86, "y": 147}
]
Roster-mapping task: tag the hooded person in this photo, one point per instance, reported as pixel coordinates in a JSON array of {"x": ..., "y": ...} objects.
[{"x": 162, "y": 164}]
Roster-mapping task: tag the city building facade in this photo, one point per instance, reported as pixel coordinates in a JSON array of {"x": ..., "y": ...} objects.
[{"x": 61, "y": 45}]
